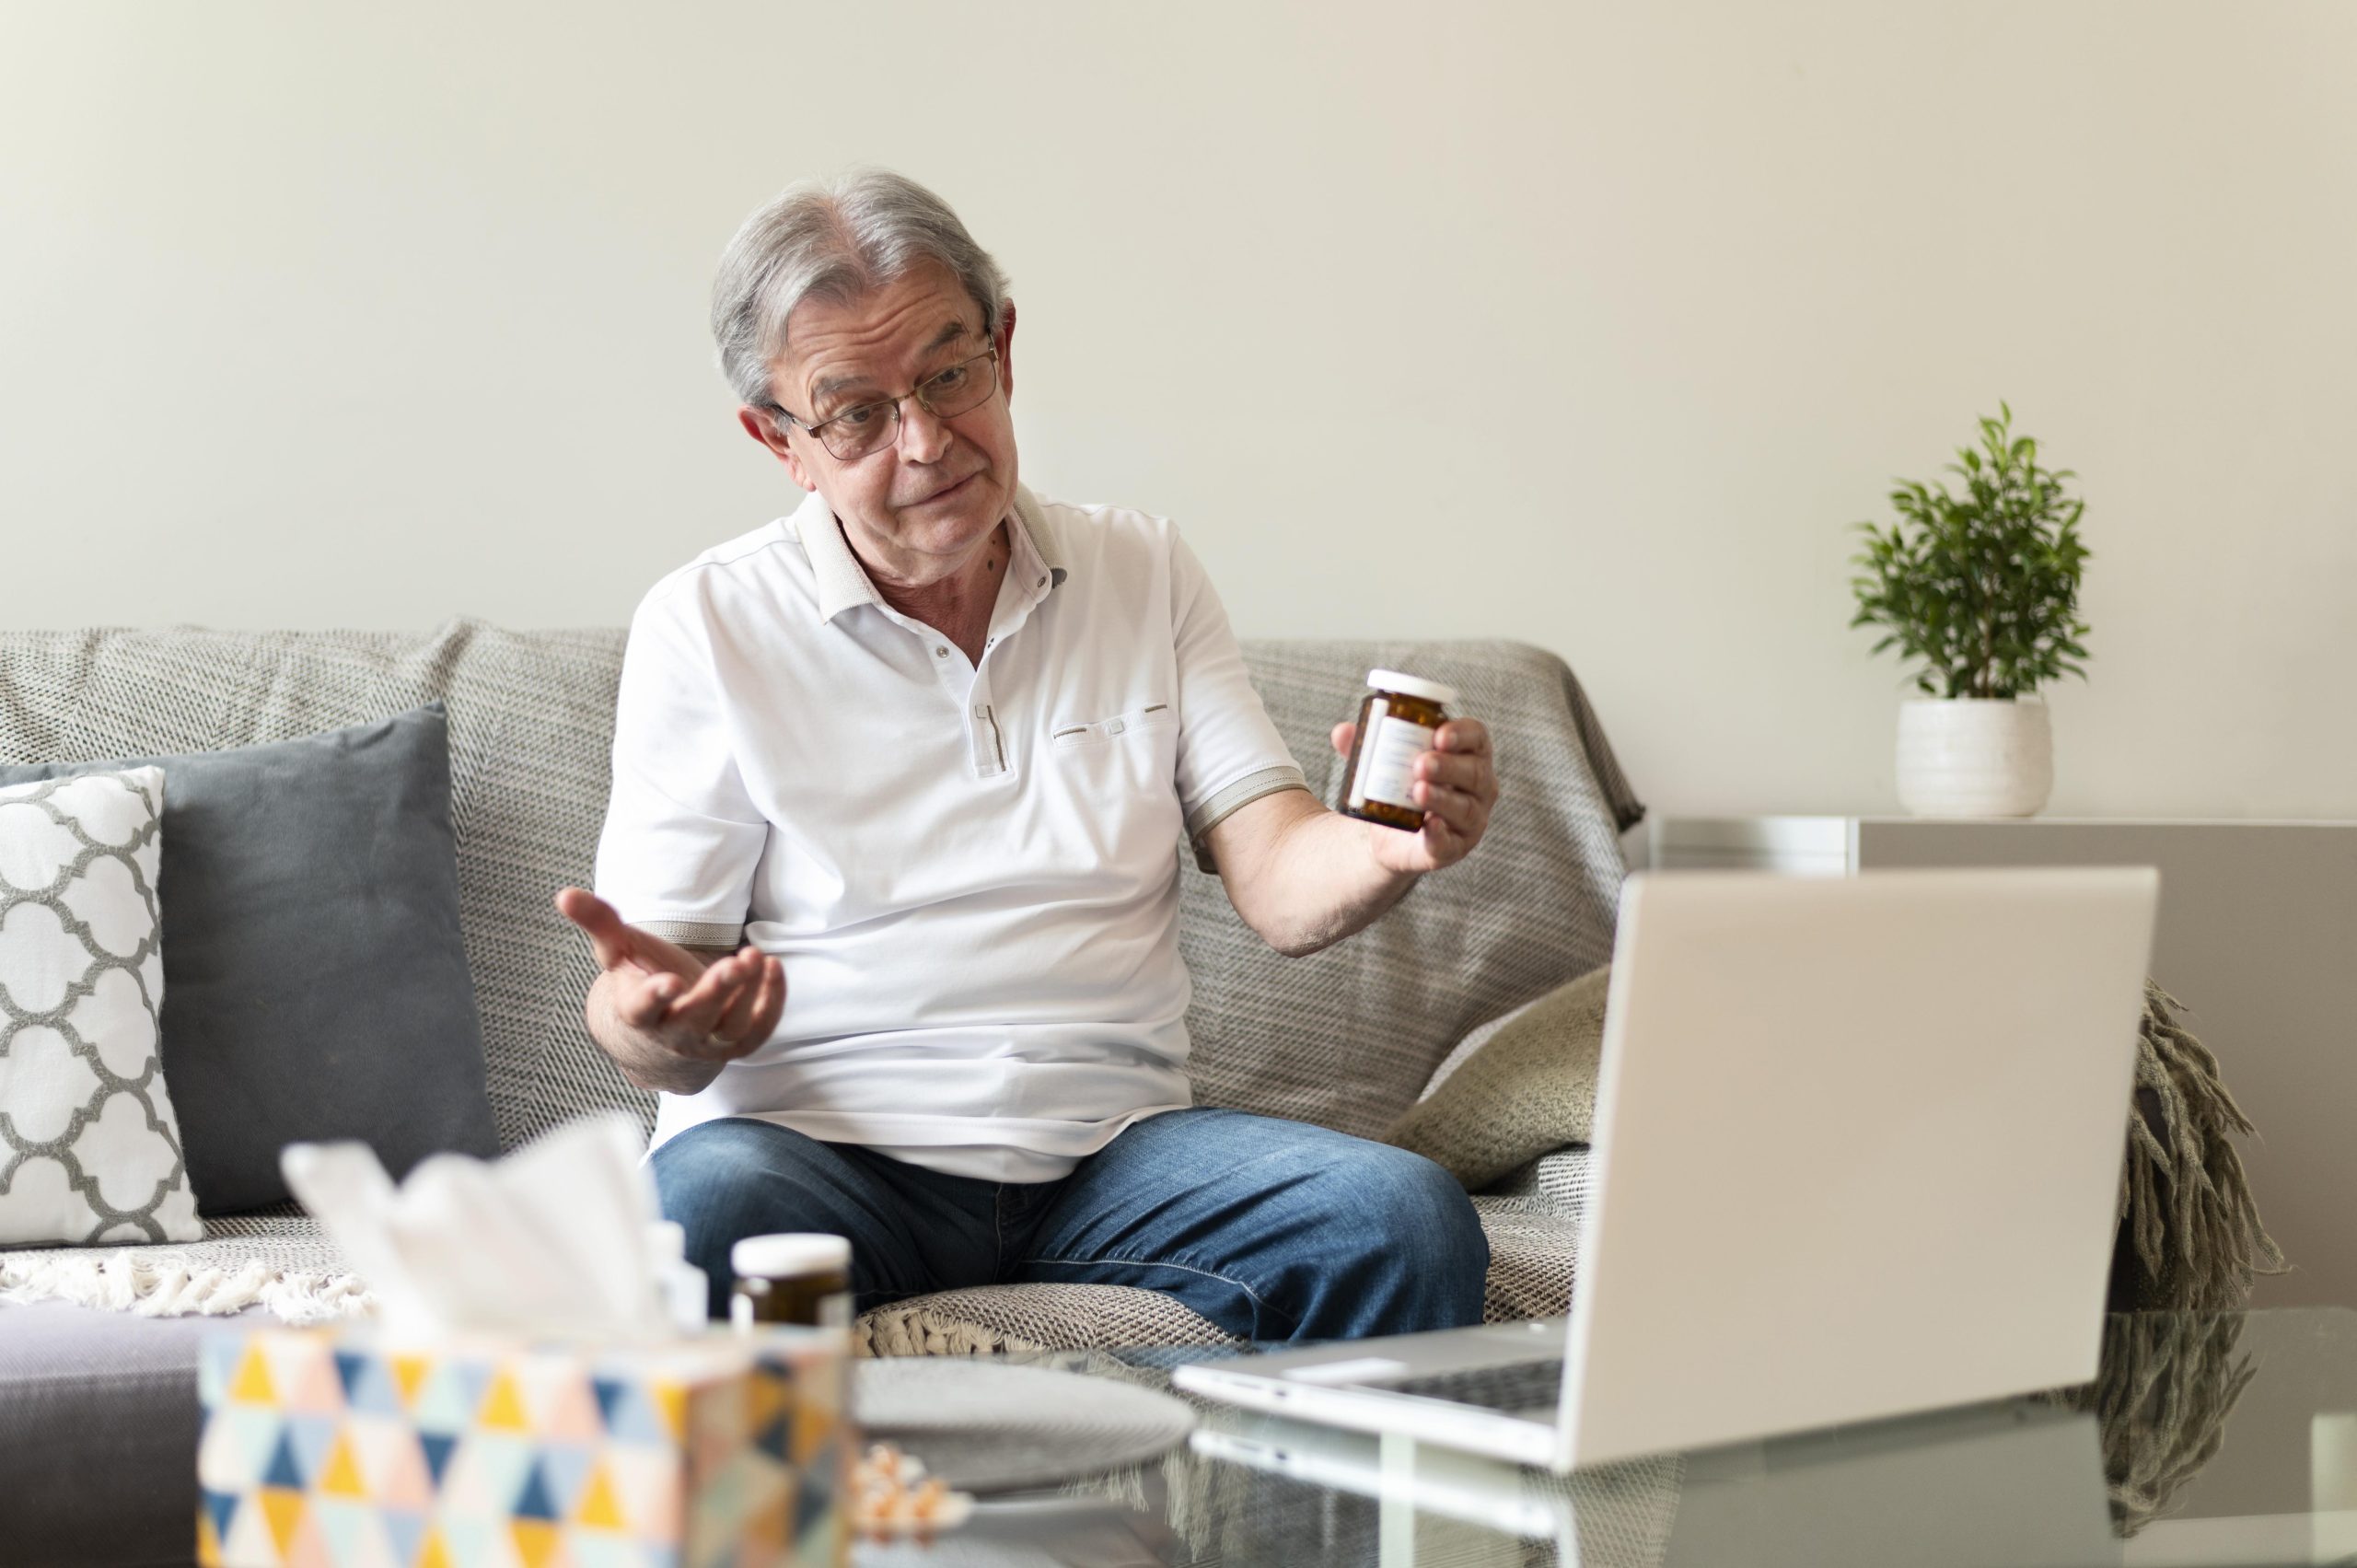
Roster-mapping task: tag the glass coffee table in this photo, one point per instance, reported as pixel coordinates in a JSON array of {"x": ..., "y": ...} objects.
[{"x": 2222, "y": 1438}]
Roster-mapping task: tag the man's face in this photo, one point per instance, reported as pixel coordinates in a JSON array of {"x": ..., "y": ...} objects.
[{"x": 920, "y": 508}]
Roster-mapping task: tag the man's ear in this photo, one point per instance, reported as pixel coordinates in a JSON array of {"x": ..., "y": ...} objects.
[
  {"x": 763, "y": 428},
  {"x": 1006, "y": 348}
]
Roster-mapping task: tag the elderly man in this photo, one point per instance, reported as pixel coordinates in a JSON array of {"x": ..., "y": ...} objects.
[{"x": 927, "y": 748}]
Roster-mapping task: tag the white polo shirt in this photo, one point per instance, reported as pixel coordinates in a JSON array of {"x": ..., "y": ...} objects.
[{"x": 969, "y": 871}]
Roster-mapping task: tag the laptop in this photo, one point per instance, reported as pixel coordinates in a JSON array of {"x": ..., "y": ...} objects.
[{"x": 1856, "y": 1153}]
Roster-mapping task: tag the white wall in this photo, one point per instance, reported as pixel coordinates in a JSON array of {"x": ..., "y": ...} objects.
[{"x": 1593, "y": 327}]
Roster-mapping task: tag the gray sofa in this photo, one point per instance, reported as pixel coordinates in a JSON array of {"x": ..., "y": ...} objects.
[{"x": 98, "y": 1410}]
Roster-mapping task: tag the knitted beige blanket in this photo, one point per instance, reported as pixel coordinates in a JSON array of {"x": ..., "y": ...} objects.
[{"x": 2189, "y": 1230}]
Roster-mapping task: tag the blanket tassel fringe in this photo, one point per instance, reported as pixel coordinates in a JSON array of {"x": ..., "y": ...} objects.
[
  {"x": 124, "y": 1281},
  {"x": 2185, "y": 1202}
]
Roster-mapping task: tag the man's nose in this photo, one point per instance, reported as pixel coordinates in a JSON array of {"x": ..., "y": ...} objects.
[{"x": 923, "y": 437}]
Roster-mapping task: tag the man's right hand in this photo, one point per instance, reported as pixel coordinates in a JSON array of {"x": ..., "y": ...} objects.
[{"x": 671, "y": 1002}]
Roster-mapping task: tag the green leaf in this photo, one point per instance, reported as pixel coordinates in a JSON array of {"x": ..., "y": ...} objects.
[{"x": 1983, "y": 586}]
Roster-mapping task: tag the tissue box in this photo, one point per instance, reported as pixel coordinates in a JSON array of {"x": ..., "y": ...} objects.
[{"x": 321, "y": 1447}]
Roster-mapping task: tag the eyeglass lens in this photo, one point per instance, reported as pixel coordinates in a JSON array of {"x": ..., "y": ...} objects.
[{"x": 870, "y": 427}]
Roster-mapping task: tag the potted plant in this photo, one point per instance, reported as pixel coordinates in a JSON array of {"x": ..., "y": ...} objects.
[{"x": 1982, "y": 590}]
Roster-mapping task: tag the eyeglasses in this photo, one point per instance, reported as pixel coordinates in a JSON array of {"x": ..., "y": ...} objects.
[{"x": 871, "y": 426}]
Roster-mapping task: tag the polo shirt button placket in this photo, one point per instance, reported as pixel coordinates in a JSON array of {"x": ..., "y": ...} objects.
[
  {"x": 984, "y": 751},
  {"x": 990, "y": 757}
]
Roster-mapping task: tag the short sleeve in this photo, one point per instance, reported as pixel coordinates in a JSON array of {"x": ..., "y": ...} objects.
[
  {"x": 683, "y": 838},
  {"x": 1229, "y": 751}
]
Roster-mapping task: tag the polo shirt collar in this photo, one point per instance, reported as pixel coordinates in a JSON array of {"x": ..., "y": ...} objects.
[
  {"x": 1032, "y": 518},
  {"x": 842, "y": 582}
]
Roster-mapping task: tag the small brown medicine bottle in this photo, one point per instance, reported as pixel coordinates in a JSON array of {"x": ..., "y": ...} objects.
[
  {"x": 791, "y": 1278},
  {"x": 1396, "y": 723}
]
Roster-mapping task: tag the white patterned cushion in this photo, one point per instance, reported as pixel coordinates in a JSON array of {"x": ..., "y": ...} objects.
[{"x": 90, "y": 1149}]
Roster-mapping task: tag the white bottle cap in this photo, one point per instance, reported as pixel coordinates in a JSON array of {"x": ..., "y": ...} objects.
[
  {"x": 671, "y": 1240},
  {"x": 785, "y": 1256},
  {"x": 1408, "y": 686}
]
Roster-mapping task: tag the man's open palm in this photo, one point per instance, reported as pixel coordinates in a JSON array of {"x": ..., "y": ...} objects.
[{"x": 715, "y": 1011}]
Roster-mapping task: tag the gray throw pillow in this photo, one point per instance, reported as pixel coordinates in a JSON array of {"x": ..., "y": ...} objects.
[{"x": 315, "y": 973}]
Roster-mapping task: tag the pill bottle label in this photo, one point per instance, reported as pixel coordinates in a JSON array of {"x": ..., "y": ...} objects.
[{"x": 1388, "y": 760}]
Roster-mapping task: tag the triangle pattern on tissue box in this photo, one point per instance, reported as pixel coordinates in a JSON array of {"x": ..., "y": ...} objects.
[
  {"x": 503, "y": 1407},
  {"x": 565, "y": 1467},
  {"x": 252, "y": 1385},
  {"x": 451, "y": 1395},
  {"x": 325, "y": 1451},
  {"x": 405, "y": 1530},
  {"x": 437, "y": 1447},
  {"x": 392, "y": 1462}
]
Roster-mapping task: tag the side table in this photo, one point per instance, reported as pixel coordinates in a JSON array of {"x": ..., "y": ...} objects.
[{"x": 2258, "y": 936}]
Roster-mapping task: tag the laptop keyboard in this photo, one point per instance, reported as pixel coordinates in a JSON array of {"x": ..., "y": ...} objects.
[{"x": 1517, "y": 1386}]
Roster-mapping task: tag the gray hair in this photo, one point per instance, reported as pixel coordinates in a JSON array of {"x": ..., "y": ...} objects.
[{"x": 834, "y": 239}]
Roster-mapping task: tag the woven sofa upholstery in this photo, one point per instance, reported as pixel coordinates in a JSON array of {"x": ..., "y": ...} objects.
[{"x": 1348, "y": 1038}]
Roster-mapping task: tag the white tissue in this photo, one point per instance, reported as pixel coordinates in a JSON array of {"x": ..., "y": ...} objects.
[{"x": 554, "y": 1240}]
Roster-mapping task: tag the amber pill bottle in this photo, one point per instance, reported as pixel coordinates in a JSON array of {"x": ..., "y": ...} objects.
[
  {"x": 791, "y": 1278},
  {"x": 1396, "y": 723}
]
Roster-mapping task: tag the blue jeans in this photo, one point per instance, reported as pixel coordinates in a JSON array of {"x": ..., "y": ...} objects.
[{"x": 1273, "y": 1230}]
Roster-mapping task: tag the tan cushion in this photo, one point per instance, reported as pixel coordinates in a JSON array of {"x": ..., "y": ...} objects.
[{"x": 1529, "y": 1087}]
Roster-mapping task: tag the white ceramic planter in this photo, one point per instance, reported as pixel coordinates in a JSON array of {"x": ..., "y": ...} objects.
[{"x": 1975, "y": 756}]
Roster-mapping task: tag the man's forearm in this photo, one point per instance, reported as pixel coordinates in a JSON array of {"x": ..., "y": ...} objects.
[
  {"x": 644, "y": 1059},
  {"x": 1323, "y": 884}
]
